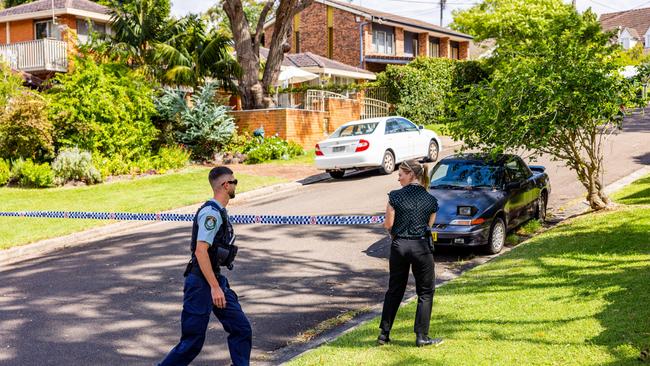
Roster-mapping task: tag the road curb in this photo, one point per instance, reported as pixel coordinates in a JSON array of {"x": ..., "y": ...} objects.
[{"x": 34, "y": 250}]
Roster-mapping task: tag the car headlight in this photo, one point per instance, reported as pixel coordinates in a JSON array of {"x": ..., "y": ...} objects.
[
  {"x": 467, "y": 222},
  {"x": 466, "y": 210}
]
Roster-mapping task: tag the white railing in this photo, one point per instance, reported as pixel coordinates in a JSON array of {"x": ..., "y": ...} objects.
[
  {"x": 371, "y": 108},
  {"x": 315, "y": 99},
  {"x": 34, "y": 56}
]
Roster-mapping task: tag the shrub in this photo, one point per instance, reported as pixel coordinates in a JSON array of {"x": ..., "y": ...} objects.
[
  {"x": 204, "y": 127},
  {"x": 103, "y": 109},
  {"x": 35, "y": 175},
  {"x": 261, "y": 149},
  {"x": 5, "y": 172},
  {"x": 171, "y": 157},
  {"x": 25, "y": 131},
  {"x": 75, "y": 164}
]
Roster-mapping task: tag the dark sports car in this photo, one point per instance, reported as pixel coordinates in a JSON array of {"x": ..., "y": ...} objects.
[{"x": 482, "y": 197}]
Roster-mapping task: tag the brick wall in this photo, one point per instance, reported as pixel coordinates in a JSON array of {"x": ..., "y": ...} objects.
[
  {"x": 346, "y": 38},
  {"x": 399, "y": 41},
  {"x": 445, "y": 48},
  {"x": 423, "y": 44},
  {"x": 464, "y": 50},
  {"x": 23, "y": 30},
  {"x": 301, "y": 126},
  {"x": 313, "y": 30}
]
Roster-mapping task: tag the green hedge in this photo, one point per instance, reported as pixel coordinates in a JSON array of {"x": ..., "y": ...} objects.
[{"x": 422, "y": 90}]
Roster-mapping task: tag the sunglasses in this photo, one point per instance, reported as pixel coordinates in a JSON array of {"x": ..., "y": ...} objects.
[{"x": 231, "y": 182}]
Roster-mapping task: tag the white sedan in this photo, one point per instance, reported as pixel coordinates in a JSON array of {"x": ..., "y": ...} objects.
[{"x": 375, "y": 142}]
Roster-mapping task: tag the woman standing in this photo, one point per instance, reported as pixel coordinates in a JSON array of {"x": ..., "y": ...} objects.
[{"x": 410, "y": 213}]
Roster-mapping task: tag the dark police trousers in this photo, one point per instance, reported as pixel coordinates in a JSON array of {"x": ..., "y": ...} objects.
[
  {"x": 197, "y": 305},
  {"x": 405, "y": 253}
]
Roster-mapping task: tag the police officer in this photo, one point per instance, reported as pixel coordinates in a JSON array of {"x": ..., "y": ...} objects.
[{"x": 206, "y": 289}]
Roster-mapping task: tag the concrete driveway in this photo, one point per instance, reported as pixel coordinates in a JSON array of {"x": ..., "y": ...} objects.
[{"x": 117, "y": 301}]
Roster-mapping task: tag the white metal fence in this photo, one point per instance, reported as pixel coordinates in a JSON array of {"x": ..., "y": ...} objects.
[
  {"x": 38, "y": 55},
  {"x": 315, "y": 99},
  {"x": 371, "y": 108}
]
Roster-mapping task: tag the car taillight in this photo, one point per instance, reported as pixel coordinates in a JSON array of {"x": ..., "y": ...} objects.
[
  {"x": 318, "y": 152},
  {"x": 362, "y": 145}
]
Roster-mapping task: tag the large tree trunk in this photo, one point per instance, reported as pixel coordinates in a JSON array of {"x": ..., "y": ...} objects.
[{"x": 253, "y": 92}]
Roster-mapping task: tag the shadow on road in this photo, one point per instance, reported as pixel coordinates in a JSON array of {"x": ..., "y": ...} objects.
[{"x": 118, "y": 301}]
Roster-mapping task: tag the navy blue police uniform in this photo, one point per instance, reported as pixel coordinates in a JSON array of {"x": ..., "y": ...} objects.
[{"x": 211, "y": 225}]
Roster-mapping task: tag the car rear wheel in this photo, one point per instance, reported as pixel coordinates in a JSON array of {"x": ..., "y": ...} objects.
[
  {"x": 540, "y": 213},
  {"x": 387, "y": 163},
  {"x": 337, "y": 174},
  {"x": 432, "y": 153},
  {"x": 497, "y": 236}
]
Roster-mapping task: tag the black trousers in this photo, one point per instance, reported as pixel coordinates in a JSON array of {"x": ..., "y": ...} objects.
[{"x": 405, "y": 253}]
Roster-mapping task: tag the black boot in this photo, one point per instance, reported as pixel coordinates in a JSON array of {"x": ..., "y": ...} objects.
[
  {"x": 383, "y": 337},
  {"x": 422, "y": 340}
]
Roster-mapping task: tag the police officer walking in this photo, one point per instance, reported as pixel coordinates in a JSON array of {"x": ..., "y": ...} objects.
[{"x": 206, "y": 289}]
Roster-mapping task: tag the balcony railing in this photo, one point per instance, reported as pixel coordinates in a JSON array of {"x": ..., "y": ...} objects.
[{"x": 41, "y": 55}]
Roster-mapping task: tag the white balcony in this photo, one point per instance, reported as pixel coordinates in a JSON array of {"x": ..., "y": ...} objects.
[{"x": 42, "y": 55}]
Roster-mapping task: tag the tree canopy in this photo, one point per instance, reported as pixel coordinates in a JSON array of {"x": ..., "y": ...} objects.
[{"x": 554, "y": 86}]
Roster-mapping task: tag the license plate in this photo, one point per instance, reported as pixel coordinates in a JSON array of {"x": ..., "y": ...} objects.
[
  {"x": 434, "y": 235},
  {"x": 338, "y": 148}
]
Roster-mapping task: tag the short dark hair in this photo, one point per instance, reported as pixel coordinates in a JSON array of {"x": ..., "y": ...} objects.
[{"x": 218, "y": 172}]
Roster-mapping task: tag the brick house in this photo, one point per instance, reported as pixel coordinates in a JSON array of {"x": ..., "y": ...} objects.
[
  {"x": 632, "y": 27},
  {"x": 36, "y": 37},
  {"x": 367, "y": 38}
]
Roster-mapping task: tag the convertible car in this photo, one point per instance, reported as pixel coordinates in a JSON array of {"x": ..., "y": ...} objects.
[{"x": 482, "y": 197}]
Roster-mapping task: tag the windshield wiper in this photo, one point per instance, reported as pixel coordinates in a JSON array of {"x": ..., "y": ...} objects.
[{"x": 445, "y": 186}]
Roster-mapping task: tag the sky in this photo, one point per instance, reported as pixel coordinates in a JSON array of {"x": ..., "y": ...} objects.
[{"x": 427, "y": 10}]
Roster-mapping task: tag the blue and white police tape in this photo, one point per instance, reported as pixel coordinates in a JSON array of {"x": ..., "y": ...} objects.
[{"x": 235, "y": 219}]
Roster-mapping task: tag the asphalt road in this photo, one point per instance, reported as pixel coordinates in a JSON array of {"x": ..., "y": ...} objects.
[{"x": 117, "y": 301}]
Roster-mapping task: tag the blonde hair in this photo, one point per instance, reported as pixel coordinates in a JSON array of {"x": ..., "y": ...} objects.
[{"x": 421, "y": 171}]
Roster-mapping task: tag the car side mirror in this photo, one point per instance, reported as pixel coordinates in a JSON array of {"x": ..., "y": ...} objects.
[
  {"x": 513, "y": 185},
  {"x": 421, "y": 127}
]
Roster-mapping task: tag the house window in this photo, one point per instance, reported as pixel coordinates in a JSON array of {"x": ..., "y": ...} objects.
[
  {"x": 455, "y": 50},
  {"x": 383, "y": 41},
  {"x": 410, "y": 44},
  {"x": 85, "y": 26},
  {"x": 434, "y": 47},
  {"x": 46, "y": 29}
]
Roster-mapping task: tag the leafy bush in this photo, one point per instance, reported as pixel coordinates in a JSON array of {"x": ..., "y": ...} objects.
[
  {"x": 171, "y": 157},
  {"x": 422, "y": 90},
  {"x": 204, "y": 127},
  {"x": 103, "y": 109},
  {"x": 261, "y": 149},
  {"x": 25, "y": 131},
  {"x": 35, "y": 175},
  {"x": 75, "y": 164},
  {"x": 5, "y": 172}
]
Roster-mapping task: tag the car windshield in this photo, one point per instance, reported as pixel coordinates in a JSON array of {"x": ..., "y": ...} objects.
[
  {"x": 464, "y": 174},
  {"x": 355, "y": 130}
]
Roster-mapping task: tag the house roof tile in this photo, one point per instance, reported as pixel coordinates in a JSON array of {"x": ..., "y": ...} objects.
[
  {"x": 635, "y": 19},
  {"x": 308, "y": 59},
  {"x": 42, "y": 5}
]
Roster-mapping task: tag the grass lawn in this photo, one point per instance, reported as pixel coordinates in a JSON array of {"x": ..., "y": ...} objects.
[
  {"x": 306, "y": 159},
  {"x": 439, "y": 128},
  {"x": 575, "y": 295},
  {"x": 150, "y": 194}
]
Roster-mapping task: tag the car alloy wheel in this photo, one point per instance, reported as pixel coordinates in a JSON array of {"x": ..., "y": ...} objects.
[
  {"x": 497, "y": 236},
  {"x": 433, "y": 151},
  {"x": 388, "y": 163}
]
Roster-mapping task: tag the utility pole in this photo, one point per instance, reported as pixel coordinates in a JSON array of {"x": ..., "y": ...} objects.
[
  {"x": 574, "y": 3},
  {"x": 442, "y": 9}
]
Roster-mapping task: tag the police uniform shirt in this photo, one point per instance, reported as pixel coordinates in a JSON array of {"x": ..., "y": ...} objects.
[{"x": 209, "y": 221}]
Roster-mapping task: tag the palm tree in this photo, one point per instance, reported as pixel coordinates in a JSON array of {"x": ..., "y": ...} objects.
[{"x": 194, "y": 53}]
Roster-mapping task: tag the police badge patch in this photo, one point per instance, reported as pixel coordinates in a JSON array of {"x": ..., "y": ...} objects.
[{"x": 210, "y": 222}]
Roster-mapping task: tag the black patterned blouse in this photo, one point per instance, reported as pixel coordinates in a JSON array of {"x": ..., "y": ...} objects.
[{"x": 413, "y": 207}]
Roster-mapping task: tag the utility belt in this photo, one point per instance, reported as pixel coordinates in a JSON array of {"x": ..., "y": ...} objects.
[
  {"x": 225, "y": 256},
  {"x": 424, "y": 238}
]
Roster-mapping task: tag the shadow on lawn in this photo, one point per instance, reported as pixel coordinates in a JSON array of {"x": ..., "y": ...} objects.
[{"x": 608, "y": 262}]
